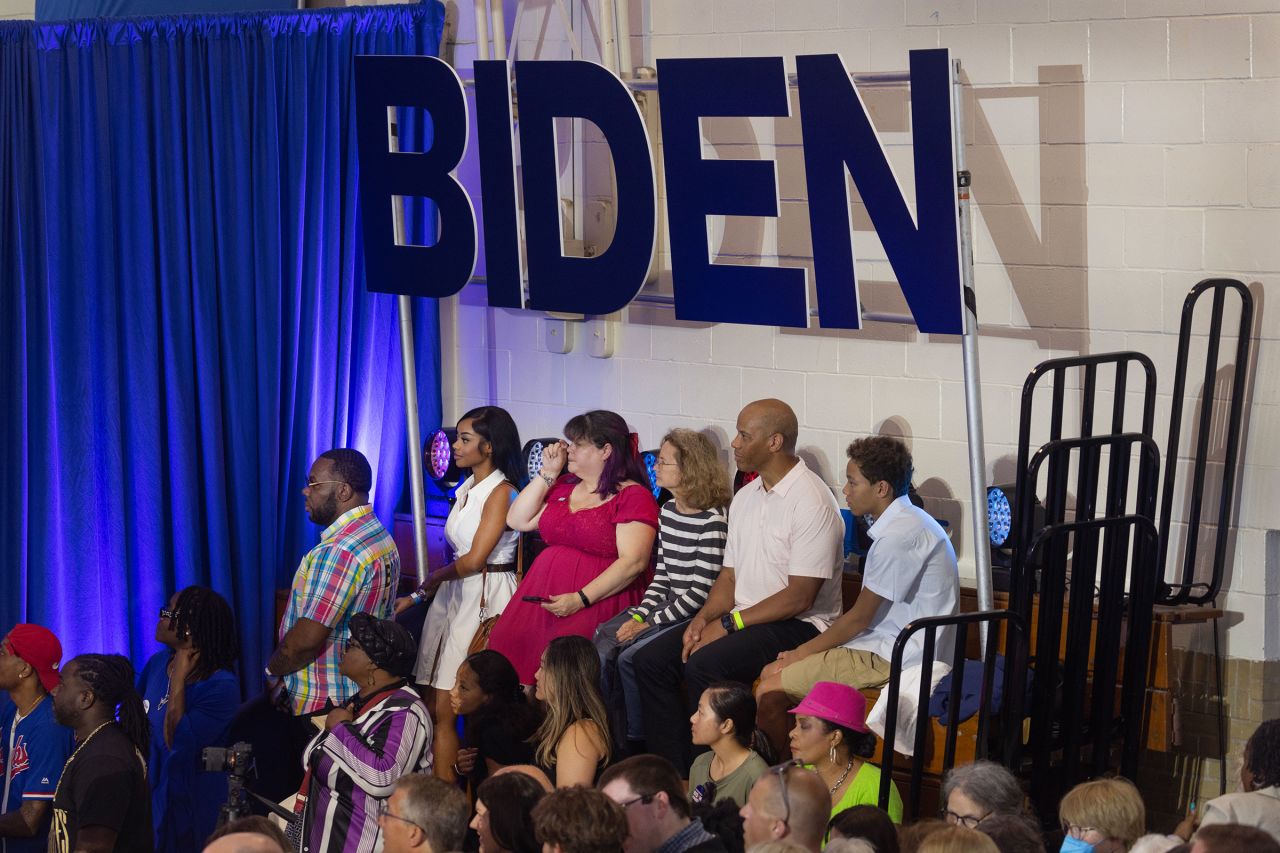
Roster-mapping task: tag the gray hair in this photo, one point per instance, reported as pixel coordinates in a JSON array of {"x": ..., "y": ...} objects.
[
  {"x": 988, "y": 784},
  {"x": 439, "y": 809}
]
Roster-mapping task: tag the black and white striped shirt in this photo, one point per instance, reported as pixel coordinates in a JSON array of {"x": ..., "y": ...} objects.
[{"x": 690, "y": 554}]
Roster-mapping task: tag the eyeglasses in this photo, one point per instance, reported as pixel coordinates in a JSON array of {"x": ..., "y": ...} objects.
[
  {"x": 966, "y": 820},
  {"x": 384, "y": 810},
  {"x": 644, "y": 799},
  {"x": 661, "y": 464},
  {"x": 166, "y": 613},
  {"x": 780, "y": 771},
  {"x": 311, "y": 484},
  {"x": 1079, "y": 831}
]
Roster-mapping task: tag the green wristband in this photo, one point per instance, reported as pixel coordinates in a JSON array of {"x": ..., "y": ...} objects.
[
  {"x": 637, "y": 617},
  {"x": 737, "y": 620}
]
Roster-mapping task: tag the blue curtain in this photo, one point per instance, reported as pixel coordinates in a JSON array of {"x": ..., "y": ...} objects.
[{"x": 184, "y": 323}]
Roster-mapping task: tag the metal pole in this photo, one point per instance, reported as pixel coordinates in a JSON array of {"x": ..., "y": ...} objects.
[
  {"x": 623, "y": 12},
  {"x": 413, "y": 434},
  {"x": 972, "y": 375}
]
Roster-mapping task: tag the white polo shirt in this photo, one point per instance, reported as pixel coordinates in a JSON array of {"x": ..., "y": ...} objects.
[
  {"x": 792, "y": 529},
  {"x": 912, "y": 566}
]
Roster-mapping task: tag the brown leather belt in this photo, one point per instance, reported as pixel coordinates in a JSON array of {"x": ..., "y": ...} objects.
[{"x": 501, "y": 567}]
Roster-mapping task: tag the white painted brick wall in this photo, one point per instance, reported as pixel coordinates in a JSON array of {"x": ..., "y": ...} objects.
[{"x": 1121, "y": 151}]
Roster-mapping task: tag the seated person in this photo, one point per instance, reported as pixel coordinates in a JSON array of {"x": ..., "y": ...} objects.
[
  {"x": 972, "y": 793},
  {"x": 423, "y": 815},
  {"x": 499, "y": 719},
  {"x": 1258, "y": 802},
  {"x": 831, "y": 737},
  {"x": 789, "y": 803},
  {"x": 725, "y": 721},
  {"x": 779, "y": 587},
  {"x": 579, "y": 820},
  {"x": 910, "y": 573},
  {"x": 1232, "y": 837},
  {"x": 650, "y": 791},
  {"x": 1104, "y": 815}
]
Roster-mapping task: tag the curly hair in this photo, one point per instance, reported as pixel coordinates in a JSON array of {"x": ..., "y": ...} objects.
[
  {"x": 206, "y": 618},
  {"x": 704, "y": 483},
  {"x": 989, "y": 785},
  {"x": 882, "y": 457},
  {"x": 1262, "y": 754},
  {"x": 580, "y": 820}
]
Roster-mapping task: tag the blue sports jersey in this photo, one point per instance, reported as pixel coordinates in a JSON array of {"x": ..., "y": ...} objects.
[
  {"x": 185, "y": 800},
  {"x": 32, "y": 754}
]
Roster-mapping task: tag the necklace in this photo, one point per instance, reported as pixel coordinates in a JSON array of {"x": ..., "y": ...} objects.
[
  {"x": 22, "y": 715},
  {"x": 76, "y": 752},
  {"x": 843, "y": 776}
]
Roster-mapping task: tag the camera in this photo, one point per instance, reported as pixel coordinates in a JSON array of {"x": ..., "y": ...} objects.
[{"x": 235, "y": 759}]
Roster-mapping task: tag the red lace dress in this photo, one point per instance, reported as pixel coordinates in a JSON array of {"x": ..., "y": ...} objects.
[{"x": 580, "y": 545}]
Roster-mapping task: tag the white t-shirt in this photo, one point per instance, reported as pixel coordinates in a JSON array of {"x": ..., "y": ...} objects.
[
  {"x": 792, "y": 529},
  {"x": 911, "y": 565}
]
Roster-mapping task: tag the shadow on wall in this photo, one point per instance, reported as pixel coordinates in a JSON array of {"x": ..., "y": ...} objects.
[{"x": 1047, "y": 261}]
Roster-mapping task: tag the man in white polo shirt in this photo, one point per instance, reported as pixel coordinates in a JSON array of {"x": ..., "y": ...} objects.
[
  {"x": 780, "y": 585},
  {"x": 910, "y": 573}
]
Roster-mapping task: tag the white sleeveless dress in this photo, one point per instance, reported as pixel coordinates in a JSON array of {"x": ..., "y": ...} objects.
[{"x": 454, "y": 614}]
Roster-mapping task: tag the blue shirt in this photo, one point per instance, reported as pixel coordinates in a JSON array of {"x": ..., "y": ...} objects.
[
  {"x": 32, "y": 754},
  {"x": 184, "y": 799}
]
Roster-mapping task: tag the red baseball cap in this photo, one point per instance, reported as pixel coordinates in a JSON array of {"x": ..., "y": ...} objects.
[
  {"x": 835, "y": 703},
  {"x": 40, "y": 648}
]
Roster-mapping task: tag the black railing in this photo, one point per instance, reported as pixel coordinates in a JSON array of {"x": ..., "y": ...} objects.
[
  {"x": 1008, "y": 727},
  {"x": 1185, "y": 589}
]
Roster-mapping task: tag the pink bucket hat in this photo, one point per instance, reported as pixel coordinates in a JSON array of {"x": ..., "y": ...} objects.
[{"x": 835, "y": 703}]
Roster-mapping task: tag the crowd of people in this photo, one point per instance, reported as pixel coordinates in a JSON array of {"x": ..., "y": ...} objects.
[{"x": 634, "y": 690}]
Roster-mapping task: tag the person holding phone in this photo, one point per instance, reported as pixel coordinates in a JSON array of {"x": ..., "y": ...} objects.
[
  {"x": 479, "y": 582},
  {"x": 599, "y": 523}
]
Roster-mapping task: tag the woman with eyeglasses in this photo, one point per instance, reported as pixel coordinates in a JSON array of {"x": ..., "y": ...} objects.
[
  {"x": 480, "y": 580},
  {"x": 375, "y": 737},
  {"x": 691, "y": 535},
  {"x": 504, "y": 813},
  {"x": 831, "y": 736},
  {"x": 973, "y": 792},
  {"x": 190, "y": 693},
  {"x": 592, "y": 506},
  {"x": 738, "y": 755},
  {"x": 572, "y": 744},
  {"x": 1102, "y": 816}
]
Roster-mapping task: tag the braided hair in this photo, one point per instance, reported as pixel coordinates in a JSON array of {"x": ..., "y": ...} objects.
[
  {"x": 205, "y": 617},
  {"x": 110, "y": 677}
]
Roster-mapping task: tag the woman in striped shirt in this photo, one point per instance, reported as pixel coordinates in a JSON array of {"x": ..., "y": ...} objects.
[{"x": 691, "y": 537}]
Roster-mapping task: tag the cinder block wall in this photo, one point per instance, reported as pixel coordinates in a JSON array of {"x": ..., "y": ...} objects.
[{"x": 1121, "y": 151}]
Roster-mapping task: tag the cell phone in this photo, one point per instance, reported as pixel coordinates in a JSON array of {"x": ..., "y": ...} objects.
[{"x": 535, "y": 599}]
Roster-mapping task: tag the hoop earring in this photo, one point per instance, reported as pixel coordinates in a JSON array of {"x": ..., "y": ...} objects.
[{"x": 831, "y": 754}]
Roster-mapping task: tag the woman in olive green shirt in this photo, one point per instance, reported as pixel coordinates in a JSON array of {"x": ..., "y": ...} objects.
[{"x": 725, "y": 721}]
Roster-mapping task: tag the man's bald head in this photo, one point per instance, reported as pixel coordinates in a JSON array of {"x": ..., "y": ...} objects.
[
  {"x": 243, "y": 842},
  {"x": 809, "y": 801},
  {"x": 533, "y": 772},
  {"x": 774, "y": 417}
]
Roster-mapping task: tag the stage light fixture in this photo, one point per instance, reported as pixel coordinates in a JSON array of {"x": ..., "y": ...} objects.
[
  {"x": 533, "y": 455},
  {"x": 650, "y": 460},
  {"x": 1000, "y": 501},
  {"x": 437, "y": 458}
]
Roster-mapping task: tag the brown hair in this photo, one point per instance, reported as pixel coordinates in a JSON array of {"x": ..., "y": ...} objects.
[
  {"x": 648, "y": 775},
  {"x": 882, "y": 457},
  {"x": 580, "y": 820},
  {"x": 1224, "y": 837},
  {"x": 1112, "y": 806},
  {"x": 958, "y": 839},
  {"x": 704, "y": 484},
  {"x": 571, "y": 678}
]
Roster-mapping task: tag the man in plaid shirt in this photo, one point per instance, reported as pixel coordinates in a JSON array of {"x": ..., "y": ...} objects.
[{"x": 353, "y": 570}]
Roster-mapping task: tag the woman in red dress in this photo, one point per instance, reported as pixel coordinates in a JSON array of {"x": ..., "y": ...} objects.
[{"x": 598, "y": 520}]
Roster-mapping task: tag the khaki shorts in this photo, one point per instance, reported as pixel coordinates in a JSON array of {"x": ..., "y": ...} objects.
[{"x": 856, "y": 668}]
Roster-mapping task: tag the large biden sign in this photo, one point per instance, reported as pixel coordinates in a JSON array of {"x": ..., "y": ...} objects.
[{"x": 837, "y": 135}]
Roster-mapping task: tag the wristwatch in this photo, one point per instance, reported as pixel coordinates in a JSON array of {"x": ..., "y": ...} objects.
[{"x": 726, "y": 622}]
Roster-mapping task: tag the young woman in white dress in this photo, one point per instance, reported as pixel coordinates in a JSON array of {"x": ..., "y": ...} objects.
[{"x": 489, "y": 445}]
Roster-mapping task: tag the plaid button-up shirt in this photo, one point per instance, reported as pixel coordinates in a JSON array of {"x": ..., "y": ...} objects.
[{"x": 353, "y": 570}]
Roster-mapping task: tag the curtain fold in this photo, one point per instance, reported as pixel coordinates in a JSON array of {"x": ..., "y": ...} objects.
[{"x": 185, "y": 323}]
